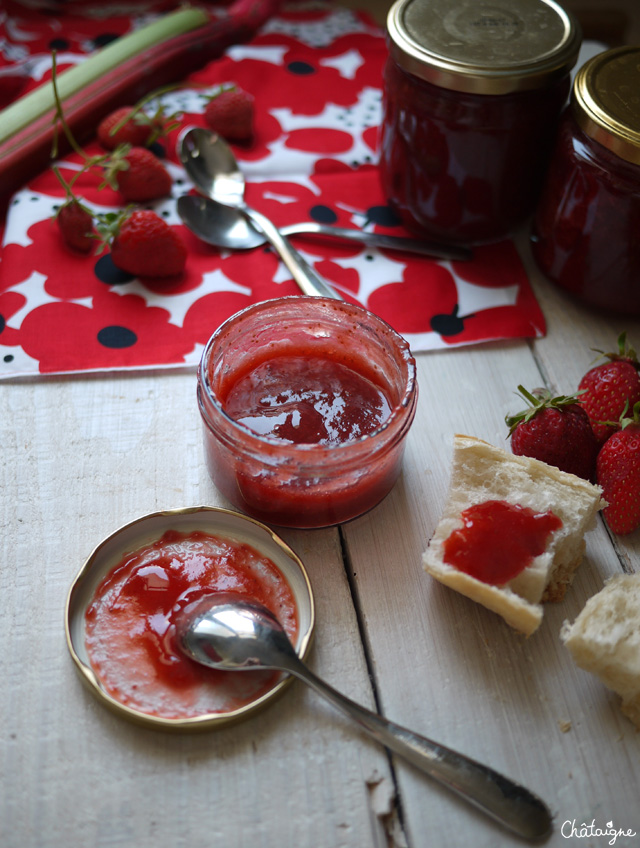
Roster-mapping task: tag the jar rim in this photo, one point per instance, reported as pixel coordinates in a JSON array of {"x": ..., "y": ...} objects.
[
  {"x": 278, "y": 447},
  {"x": 501, "y": 48},
  {"x": 602, "y": 100}
]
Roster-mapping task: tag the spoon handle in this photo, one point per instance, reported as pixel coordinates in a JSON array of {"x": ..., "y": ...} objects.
[
  {"x": 411, "y": 245},
  {"x": 309, "y": 281},
  {"x": 504, "y": 800}
]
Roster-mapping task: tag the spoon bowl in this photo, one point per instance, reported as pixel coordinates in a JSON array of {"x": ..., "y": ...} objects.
[
  {"x": 233, "y": 634},
  {"x": 218, "y": 225},
  {"x": 224, "y": 631},
  {"x": 212, "y": 167}
]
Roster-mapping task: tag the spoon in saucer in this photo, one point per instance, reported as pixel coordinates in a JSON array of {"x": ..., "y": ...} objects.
[
  {"x": 212, "y": 167},
  {"x": 227, "y": 632},
  {"x": 223, "y": 226}
]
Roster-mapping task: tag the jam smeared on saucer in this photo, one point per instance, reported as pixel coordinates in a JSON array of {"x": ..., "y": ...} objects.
[
  {"x": 130, "y": 624},
  {"x": 498, "y": 540}
]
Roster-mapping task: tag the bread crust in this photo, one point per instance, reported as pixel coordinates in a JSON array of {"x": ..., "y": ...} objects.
[{"x": 481, "y": 472}]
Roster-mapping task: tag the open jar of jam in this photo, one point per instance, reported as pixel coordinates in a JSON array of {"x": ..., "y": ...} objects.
[
  {"x": 586, "y": 230},
  {"x": 472, "y": 95},
  {"x": 306, "y": 404}
]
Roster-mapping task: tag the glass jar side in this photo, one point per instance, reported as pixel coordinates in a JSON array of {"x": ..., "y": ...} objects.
[
  {"x": 585, "y": 229},
  {"x": 460, "y": 166},
  {"x": 290, "y": 494},
  {"x": 305, "y": 485}
]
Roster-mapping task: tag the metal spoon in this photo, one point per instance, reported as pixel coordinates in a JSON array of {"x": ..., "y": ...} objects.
[
  {"x": 225, "y": 227},
  {"x": 224, "y": 631},
  {"x": 211, "y": 165}
]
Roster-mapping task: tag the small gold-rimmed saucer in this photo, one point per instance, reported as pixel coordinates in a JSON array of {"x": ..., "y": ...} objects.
[{"x": 148, "y": 528}]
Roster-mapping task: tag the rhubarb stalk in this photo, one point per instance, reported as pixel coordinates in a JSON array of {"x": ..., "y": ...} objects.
[{"x": 121, "y": 73}]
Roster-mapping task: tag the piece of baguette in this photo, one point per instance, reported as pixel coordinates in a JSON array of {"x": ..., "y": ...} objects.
[
  {"x": 481, "y": 472},
  {"x": 605, "y": 640}
]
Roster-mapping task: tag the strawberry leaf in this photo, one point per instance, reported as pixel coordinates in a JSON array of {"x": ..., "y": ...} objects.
[{"x": 537, "y": 400}]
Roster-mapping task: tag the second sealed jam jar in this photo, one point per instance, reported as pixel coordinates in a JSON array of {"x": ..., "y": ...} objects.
[
  {"x": 586, "y": 230},
  {"x": 472, "y": 94}
]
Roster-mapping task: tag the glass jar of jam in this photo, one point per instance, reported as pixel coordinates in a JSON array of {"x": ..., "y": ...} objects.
[
  {"x": 472, "y": 95},
  {"x": 306, "y": 403},
  {"x": 586, "y": 230}
]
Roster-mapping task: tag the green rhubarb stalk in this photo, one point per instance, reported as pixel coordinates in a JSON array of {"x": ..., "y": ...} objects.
[{"x": 39, "y": 102}]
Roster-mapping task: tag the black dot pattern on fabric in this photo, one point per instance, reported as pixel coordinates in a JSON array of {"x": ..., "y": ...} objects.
[
  {"x": 301, "y": 68},
  {"x": 105, "y": 38},
  {"x": 3, "y": 323},
  {"x": 382, "y": 215},
  {"x": 158, "y": 149},
  {"x": 110, "y": 274},
  {"x": 116, "y": 337},
  {"x": 323, "y": 214},
  {"x": 8, "y": 358},
  {"x": 448, "y": 325}
]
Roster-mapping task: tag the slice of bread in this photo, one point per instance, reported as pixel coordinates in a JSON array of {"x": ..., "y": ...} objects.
[
  {"x": 605, "y": 640},
  {"x": 481, "y": 472}
]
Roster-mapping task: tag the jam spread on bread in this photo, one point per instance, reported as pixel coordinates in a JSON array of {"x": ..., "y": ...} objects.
[{"x": 498, "y": 540}]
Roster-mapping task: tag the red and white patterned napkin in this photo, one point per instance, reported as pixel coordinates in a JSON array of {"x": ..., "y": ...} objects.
[{"x": 316, "y": 75}]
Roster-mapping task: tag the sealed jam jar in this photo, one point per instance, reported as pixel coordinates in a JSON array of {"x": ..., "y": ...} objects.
[
  {"x": 472, "y": 94},
  {"x": 586, "y": 230},
  {"x": 306, "y": 404}
]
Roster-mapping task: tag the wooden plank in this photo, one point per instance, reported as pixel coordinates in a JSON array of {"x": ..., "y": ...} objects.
[{"x": 83, "y": 456}]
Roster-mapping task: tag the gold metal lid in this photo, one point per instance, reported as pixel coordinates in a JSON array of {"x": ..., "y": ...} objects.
[
  {"x": 483, "y": 46},
  {"x": 606, "y": 100},
  {"x": 148, "y": 528}
]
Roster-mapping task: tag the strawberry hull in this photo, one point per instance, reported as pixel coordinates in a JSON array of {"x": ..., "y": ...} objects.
[{"x": 146, "y": 246}]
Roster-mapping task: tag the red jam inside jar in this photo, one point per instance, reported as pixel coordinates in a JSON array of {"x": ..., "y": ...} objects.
[
  {"x": 131, "y": 623},
  {"x": 472, "y": 96},
  {"x": 306, "y": 403},
  {"x": 498, "y": 540},
  {"x": 585, "y": 230},
  {"x": 307, "y": 400}
]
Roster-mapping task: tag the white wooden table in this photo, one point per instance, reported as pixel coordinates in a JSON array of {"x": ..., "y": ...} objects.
[{"x": 83, "y": 455}]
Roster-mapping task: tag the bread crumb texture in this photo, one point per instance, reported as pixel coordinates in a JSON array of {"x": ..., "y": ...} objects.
[
  {"x": 605, "y": 640},
  {"x": 481, "y": 472}
]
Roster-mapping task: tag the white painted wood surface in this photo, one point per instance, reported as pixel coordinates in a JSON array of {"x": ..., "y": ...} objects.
[{"x": 83, "y": 455}]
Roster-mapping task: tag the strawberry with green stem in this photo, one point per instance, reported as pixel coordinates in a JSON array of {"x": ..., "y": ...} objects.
[
  {"x": 74, "y": 219},
  {"x": 142, "y": 243},
  {"x": 555, "y": 430},
  {"x": 135, "y": 126},
  {"x": 134, "y": 171},
  {"x": 607, "y": 388},
  {"x": 229, "y": 112},
  {"x": 618, "y": 472},
  {"x": 137, "y": 174}
]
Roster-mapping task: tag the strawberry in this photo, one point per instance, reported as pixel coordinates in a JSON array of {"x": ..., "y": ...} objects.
[
  {"x": 143, "y": 244},
  {"x": 126, "y": 125},
  {"x": 75, "y": 222},
  {"x": 618, "y": 472},
  {"x": 138, "y": 174},
  {"x": 133, "y": 125},
  {"x": 608, "y": 387},
  {"x": 555, "y": 430},
  {"x": 230, "y": 114}
]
